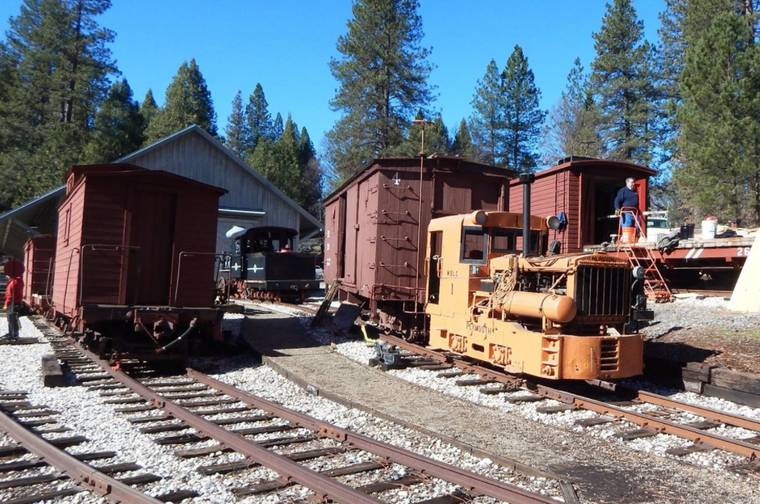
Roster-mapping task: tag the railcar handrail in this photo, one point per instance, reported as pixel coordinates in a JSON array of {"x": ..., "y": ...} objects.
[
  {"x": 94, "y": 247},
  {"x": 218, "y": 260}
]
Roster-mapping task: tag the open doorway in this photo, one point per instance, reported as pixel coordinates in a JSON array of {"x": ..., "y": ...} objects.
[{"x": 604, "y": 191}]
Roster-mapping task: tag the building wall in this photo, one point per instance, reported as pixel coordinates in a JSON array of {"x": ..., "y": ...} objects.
[{"x": 194, "y": 157}]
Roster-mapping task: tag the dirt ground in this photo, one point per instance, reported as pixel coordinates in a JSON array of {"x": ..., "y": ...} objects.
[{"x": 704, "y": 330}]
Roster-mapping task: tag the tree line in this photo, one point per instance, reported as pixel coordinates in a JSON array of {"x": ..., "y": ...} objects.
[
  {"x": 687, "y": 104},
  {"x": 62, "y": 102}
]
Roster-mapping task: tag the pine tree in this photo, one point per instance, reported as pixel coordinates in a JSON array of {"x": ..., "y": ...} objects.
[
  {"x": 522, "y": 116},
  {"x": 188, "y": 101},
  {"x": 488, "y": 119},
  {"x": 573, "y": 122},
  {"x": 59, "y": 68},
  {"x": 279, "y": 161},
  {"x": 623, "y": 89},
  {"x": 382, "y": 73},
  {"x": 462, "y": 145},
  {"x": 277, "y": 128},
  {"x": 436, "y": 138},
  {"x": 257, "y": 117},
  {"x": 118, "y": 128},
  {"x": 720, "y": 116},
  {"x": 669, "y": 68},
  {"x": 311, "y": 174},
  {"x": 148, "y": 108},
  {"x": 238, "y": 136}
]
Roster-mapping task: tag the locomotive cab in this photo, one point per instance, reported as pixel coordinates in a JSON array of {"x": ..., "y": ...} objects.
[
  {"x": 557, "y": 317},
  {"x": 264, "y": 265}
]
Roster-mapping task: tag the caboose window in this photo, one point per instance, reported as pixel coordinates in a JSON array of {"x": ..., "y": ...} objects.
[{"x": 473, "y": 246}]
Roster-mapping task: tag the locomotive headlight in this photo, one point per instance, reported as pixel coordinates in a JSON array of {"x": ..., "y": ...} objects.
[
  {"x": 638, "y": 272},
  {"x": 478, "y": 217},
  {"x": 552, "y": 222}
]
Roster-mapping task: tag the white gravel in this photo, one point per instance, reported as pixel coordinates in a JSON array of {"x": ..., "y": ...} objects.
[
  {"x": 698, "y": 312},
  {"x": 84, "y": 412},
  {"x": 360, "y": 352},
  {"x": 266, "y": 383}
]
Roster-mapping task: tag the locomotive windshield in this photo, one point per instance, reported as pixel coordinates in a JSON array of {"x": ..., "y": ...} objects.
[
  {"x": 268, "y": 239},
  {"x": 476, "y": 240}
]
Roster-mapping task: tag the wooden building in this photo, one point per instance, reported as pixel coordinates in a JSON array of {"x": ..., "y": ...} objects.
[
  {"x": 251, "y": 200},
  {"x": 584, "y": 189}
]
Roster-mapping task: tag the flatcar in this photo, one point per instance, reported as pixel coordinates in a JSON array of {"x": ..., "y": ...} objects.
[
  {"x": 135, "y": 261},
  {"x": 264, "y": 265}
]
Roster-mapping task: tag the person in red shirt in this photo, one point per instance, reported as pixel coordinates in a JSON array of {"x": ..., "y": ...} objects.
[{"x": 13, "y": 302}]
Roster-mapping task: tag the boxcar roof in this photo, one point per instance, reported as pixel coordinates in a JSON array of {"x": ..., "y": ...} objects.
[
  {"x": 434, "y": 162},
  {"x": 581, "y": 163},
  {"x": 127, "y": 170}
]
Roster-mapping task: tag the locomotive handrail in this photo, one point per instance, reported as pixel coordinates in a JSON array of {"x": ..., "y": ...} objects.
[
  {"x": 94, "y": 247},
  {"x": 218, "y": 259}
]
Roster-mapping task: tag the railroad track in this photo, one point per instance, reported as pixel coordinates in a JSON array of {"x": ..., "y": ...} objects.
[
  {"x": 337, "y": 464},
  {"x": 660, "y": 420},
  {"x": 657, "y": 421},
  {"x": 36, "y": 469}
]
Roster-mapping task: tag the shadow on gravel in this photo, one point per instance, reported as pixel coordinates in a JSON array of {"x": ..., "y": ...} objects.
[
  {"x": 664, "y": 361},
  {"x": 275, "y": 336},
  {"x": 603, "y": 484}
]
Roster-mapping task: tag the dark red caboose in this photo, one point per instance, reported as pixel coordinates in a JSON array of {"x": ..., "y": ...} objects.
[
  {"x": 39, "y": 254},
  {"x": 584, "y": 189},
  {"x": 135, "y": 256}
]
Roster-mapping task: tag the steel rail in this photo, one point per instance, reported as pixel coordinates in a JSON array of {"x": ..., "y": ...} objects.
[
  {"x": 736, "y": 446},
  {"x": 83, "y": 475},
  {"x": 703, "y": 411},
  {"x": 466, "y": 479},
  {"x": 325, "y": 487}
]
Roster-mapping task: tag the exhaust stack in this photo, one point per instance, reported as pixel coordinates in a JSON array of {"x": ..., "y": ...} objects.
[{"x": 526, "y": 179}]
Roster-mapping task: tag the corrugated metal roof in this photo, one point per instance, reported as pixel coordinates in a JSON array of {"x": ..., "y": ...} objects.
[{"x": 194, "y": 128}]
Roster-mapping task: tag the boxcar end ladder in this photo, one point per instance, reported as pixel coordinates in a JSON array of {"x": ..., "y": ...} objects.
[{"x": 655, "y": 286}]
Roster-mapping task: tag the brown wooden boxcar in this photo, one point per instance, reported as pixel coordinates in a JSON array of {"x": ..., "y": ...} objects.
[
  {"x": 583, "y": 188},
  {"x": 376, "y": 222},
  {"x": 39, "y": 254},
  {"x": 137, "y": 238}
]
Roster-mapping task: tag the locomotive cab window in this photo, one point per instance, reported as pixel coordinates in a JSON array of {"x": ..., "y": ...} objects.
[
  {"x": 473, "y": 246},
  {"x": 504, "y": 241}
]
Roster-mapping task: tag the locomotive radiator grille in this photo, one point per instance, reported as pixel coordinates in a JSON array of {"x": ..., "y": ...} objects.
[
  {"x": 602, "y": 291},
  {"x": 609, "y": 355}
]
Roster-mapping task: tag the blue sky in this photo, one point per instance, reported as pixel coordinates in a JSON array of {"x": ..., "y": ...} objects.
[{"x": 286, "y": 45}]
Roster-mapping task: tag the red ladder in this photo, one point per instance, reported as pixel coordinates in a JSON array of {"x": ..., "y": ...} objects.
[{"x": 641, "y": 256}]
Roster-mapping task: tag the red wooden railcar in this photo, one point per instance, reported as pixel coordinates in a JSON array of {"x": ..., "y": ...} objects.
[
  {"x": 39, "y": 254},
  {"x": 135, "y": 255},
  {"x": 584, "y": 189},
  {"x": 376, "y": 222}
]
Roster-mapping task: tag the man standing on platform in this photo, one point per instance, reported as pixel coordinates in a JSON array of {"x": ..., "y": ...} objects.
[{"x": 627, "y": 197}]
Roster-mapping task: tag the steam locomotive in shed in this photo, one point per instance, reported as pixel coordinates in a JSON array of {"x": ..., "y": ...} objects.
[{"x": 264, "y": 265}]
